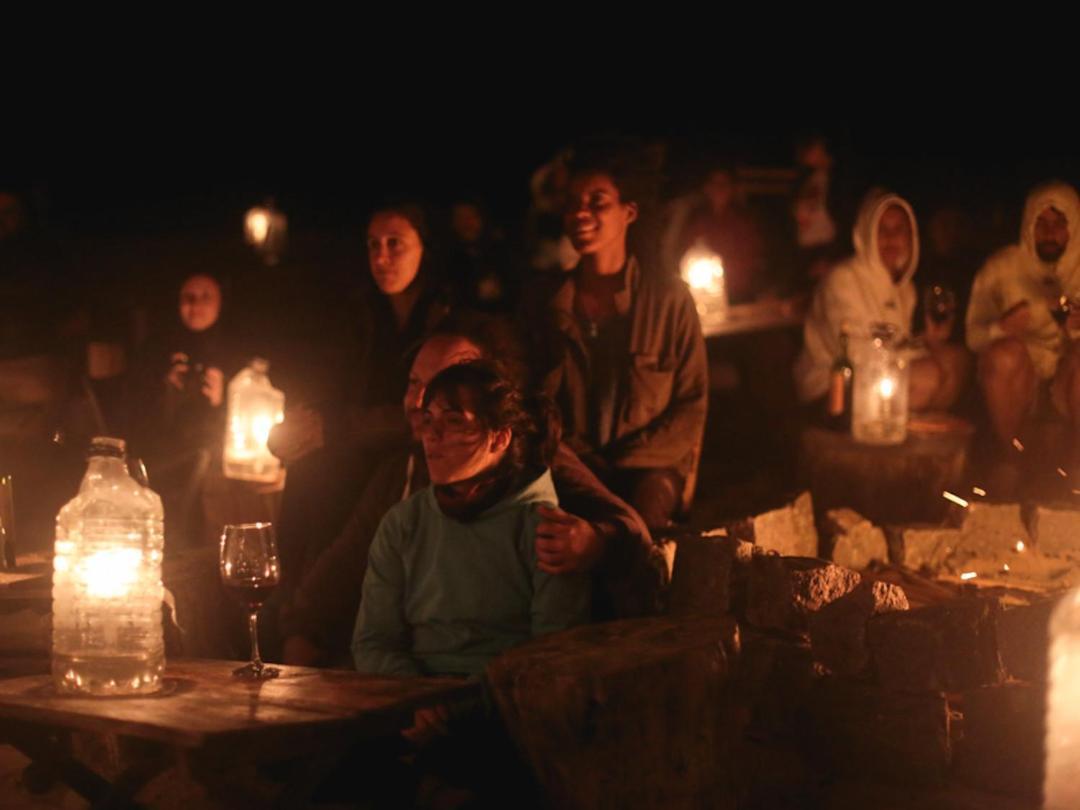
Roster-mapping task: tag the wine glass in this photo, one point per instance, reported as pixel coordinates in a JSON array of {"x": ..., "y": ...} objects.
[
  {"x": 940, "y": 303},
  {"x": 251, "y": 571}
]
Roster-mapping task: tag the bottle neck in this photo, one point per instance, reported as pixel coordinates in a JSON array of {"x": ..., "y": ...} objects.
[{"x": 106, "y": 467}]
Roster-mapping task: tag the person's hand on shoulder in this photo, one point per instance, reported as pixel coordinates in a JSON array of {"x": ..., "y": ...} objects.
[{"x": 565, "y": 543}]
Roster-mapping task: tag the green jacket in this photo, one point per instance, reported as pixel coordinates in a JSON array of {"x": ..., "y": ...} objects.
[{"x": 445, "y": 597}]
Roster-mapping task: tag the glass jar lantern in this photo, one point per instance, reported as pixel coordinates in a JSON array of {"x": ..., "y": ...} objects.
[
  {"x": 254, "y": 407},
  {"x": 880, "y": 396}
]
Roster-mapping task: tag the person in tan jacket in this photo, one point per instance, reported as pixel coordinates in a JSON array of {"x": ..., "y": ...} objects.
[{"x": 1025, "y": 357}]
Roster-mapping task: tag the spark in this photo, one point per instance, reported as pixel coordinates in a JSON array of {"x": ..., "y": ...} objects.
[
  {"x": 1016, "y": 443},
  {"x": 1020, "y": 545},
  {"x": 955, "y": 499},
  {"x": 1062, "y": 473},
  {"x": 979, "y": 491},
  {"x": 1005, "y": 568},
  {"x": 968, "y": 575}
]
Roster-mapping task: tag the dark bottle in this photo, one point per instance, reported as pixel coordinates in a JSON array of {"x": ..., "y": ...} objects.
[{"x": 841, "y": 377}]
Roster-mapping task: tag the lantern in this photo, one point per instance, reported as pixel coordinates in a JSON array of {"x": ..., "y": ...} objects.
[
  {"x": 1061, "y": 788},
  {"x": 265, "y": 229},
  {"x": 703, "y": 272},
  {"x": 880, "y": 396},
  {"x": 107, "y": 592},
  {"x": 254, "y": 407}
]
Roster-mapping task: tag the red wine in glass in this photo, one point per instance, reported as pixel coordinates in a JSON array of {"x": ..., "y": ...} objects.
[
  {"x": 251, "y": 593},
  {"x": 251, "y": 571}
]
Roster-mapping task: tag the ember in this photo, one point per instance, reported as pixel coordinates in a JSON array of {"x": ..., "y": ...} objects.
[
  {"x": 955, "y": 499},
  {"x": 1016, "y": 443},
  {"x": 979, "y": 491},
  {"x": 968, "y": 575}
]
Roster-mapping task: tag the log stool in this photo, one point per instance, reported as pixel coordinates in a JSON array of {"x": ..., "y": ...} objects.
[
  {"x": 626, "y": 714},
  {"x": 887, "y": 484}
]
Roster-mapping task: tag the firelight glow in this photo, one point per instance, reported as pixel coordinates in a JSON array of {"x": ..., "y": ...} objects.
[
  {"x": 705, "y": 273},
  {"x": 1061, "y": 785}
]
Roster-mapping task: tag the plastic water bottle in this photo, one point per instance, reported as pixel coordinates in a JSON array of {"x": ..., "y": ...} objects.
[{"x": 107, "y": 592}]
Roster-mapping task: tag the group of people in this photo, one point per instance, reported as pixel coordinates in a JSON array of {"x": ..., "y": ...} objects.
[
  {"x": 1021, "y": 322},
  {"x": 467, "y": 481}
]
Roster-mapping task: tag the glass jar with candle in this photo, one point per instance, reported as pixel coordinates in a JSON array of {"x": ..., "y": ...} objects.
[
  {"x": 107, "y": 592},
  {"x": 880, "y": 397},
  {"x": 254, "y": 407}
]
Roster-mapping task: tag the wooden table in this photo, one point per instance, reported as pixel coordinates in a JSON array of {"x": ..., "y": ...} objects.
[
  {"x": 757, "y": 316},
  {"x": 207, "y": 724}
]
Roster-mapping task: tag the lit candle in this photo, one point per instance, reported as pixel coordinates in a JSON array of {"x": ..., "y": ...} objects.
[
  {"x": 257, "y": 226},
  {"x": 703, "y": 272},
  {"x": 1061, "y": 788}
]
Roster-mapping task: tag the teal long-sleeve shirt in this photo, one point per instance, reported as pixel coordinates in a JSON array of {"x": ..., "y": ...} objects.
[{"x": 445, "y": 597}]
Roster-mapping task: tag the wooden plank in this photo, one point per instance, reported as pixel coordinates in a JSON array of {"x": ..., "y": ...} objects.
[{"x": 202, "y": 703}]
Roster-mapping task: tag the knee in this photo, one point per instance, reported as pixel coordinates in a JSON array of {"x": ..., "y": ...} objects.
[{"x": 1007, "y": 357}]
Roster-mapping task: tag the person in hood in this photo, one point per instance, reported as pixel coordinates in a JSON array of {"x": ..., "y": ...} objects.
[
  {"x": 1024, "y": 355},
  {"x": 875, "y": 287}
]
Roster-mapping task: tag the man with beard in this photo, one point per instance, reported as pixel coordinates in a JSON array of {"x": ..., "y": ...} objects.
[{"x": 1027, "y": 361}]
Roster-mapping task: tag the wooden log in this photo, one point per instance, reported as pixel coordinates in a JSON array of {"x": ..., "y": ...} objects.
[
  {"x": 701, "y": 581},
  {"x": 856, "y": 729},
  {"x": 626, "y": 714},
  {"x": 892, "y": 484},
  {"x": 946, "y": 647},
  {"x": 1002, "y": 746}
]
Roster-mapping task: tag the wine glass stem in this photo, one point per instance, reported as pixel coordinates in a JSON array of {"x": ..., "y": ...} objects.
[{"x": 253, "y": 628}]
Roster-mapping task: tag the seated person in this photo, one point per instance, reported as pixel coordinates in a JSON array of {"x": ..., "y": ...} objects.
[
  {"x": 629, "y": 371},
  {"x": 875, "y": 287},
  {"x": 1024, "y": 356},
  {"x": 453, "y": 576},
  {"x": 329, "y": 446},
  {"x": 591, "y": 531}
]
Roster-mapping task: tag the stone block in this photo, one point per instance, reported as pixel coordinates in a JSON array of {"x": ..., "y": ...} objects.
[
  {"x": 918, "y": 547},
  {"x": 789, "y": 530},
  {"x": 1056, "y": 530},
  {"x": 784, "y": 591},
  {"x": 992, "y": 528},
  {"x": 701, "y": 580},
  {"x": 855, "y": 542},
  {"x": 838, "y": 630}
]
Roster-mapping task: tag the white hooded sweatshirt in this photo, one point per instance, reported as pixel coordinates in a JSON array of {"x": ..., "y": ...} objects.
[
  {"x": 857, "y": 293},
  {"x": 1016, "y": 273}
]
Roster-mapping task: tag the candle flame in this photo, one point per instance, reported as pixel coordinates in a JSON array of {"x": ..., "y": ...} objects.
[
  {"x": 979, "y": 491},
  {"x": 704, "y": 273},
  {"x": 257, "y": 225},
  {"x": 968, "y": 575},
  {"x": 955, "y": 499},
  {"x": 112, "y": 573},
  {"x": 887, "y": 387}
]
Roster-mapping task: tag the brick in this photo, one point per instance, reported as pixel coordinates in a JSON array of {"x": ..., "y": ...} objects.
[
  {"x": 918, "y": 547},
  {"x": 789, "y": 530},
  {"x": 1056, "y": 530},
  {"x": 855, "y": 542}
]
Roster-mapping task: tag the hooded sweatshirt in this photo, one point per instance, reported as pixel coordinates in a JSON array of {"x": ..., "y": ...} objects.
[
  {"x": 445, "y": 597},
  {"x": 857, "y": 294},
  {"x": 1016, "y": 273}
]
